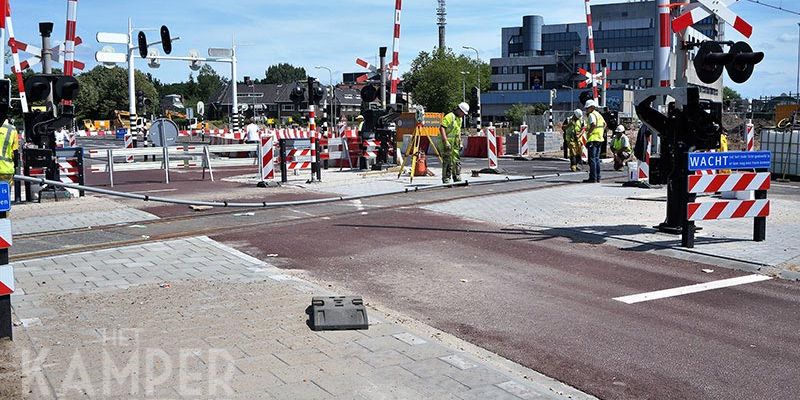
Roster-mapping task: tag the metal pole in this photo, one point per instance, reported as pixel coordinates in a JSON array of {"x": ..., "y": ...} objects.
[
  {"x": 663, "y": 45},
  {"x": 3, "y": 47},
  {"x": 131, "y": 80},
  {"x": 45, "y": 29},
  {"x": 382, "y": 56},
  {"x": 6, "y": 330},
  {"x": 480, "y": 88},
  {"x": 797, "y": 91},
  {"x": 235, "y": 111}
]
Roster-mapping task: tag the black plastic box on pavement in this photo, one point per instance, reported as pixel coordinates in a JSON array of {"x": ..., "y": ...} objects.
[{"x": 337, "y": 313}]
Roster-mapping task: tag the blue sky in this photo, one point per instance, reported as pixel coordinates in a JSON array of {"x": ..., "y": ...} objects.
[{"x": 334, "y": 33}]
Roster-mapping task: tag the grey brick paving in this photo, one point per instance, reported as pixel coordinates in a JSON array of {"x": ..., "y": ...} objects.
[
  {"x": 37, "y": 224},
  {"x": 611, "y": 214},
  {"x": 231, "y": 320}
]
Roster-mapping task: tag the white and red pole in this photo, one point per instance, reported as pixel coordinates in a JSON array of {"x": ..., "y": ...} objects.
[
  {"x": 15, "y": 56},
  {"x": 312, "y": 135},
  {"x": 590, "y": 46},
  {"x": 69, "y": 41},
  {"x": 395, "y": 73},
  {"x": 661, "y": 69}
]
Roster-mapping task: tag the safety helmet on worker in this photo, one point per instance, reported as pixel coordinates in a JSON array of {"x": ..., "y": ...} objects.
[
  {"x": 464, "y": 107},
  {"x": 578, "y": 113},
  {"x": 590, "y": 103},
  {"x": 620, "y": 129},
  {"x": 359, "y": 118}
]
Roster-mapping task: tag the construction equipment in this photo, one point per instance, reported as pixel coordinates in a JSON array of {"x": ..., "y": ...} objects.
[
  {"x": 97, "y": 125},
  {"x": 413, "y": 145},
  {"x": 169, "y": 114}
]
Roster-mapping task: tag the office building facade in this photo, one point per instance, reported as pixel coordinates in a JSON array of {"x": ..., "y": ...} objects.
[{"x": 537, "y": 56}]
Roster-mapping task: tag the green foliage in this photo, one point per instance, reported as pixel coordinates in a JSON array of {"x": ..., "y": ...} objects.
[
  {"x": 435, "y": 79},
  {"x": 284, "y": 73},
  {"x": 516, "y": 112},
  {"x": 104, "y": 90},
  {"x": 730, "y": 94}
]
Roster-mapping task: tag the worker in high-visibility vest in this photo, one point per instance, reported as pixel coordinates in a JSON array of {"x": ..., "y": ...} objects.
[
  {"x": 10, "y": 142},
  {"x": 450, "y": 132},
  {"x": 620, "y": 147},
  {"x": 595, "y": 131},
  {"x": 574, "y": 133},
  {"x": 360, "y": 122}
]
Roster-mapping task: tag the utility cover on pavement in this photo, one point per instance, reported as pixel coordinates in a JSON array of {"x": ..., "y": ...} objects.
[
  {"x": 337, "y": 313},
  {"x": 730, "y": 160}
]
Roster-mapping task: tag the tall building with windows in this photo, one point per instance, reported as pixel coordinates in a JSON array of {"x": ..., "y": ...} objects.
[{"x": 536, "y": 56}]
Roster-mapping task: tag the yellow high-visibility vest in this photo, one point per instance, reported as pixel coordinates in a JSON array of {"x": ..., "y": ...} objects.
[
  {"x": 9, "y": 141},
  {"x": 596, "y": 135}
]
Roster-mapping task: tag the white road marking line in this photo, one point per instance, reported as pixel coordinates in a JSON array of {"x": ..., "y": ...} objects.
[
  {"x": 155, "y": 191},
  {"x": 700, "y": 287}
]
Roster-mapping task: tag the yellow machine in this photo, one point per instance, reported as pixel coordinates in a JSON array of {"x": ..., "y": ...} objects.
[
  {"x": 97, "y": 125},
  {"x": 174, "y": 114}
]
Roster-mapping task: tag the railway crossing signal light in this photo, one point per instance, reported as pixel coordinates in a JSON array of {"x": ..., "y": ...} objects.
[
  {"x": 317, "y": 93},
  {"x": 473, "y": 100},
  {"x": 38, "y": 87},
  {"x": 142, "y": 39},
  {"x": 744, "y": 61},
  {"x": 740, "y": 62},
  {"x": 298, "y": 94},
  {"x": 369, "y": 93}
]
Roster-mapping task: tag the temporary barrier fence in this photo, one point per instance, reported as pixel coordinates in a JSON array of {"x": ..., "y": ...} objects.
[{"x": 758, "y": 209}]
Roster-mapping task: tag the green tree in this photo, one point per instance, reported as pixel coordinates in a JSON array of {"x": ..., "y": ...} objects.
[
  {"x": 104, "y": 90},
  {"x": 436, "y": 81},
  {"x": 517, "y": 112},
  {"x": 730, "y": 94},
  {"x": 284, "y": 73}
]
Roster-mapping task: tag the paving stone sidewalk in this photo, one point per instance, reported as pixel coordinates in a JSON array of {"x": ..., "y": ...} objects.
[
  {"x": 49, "y": 216},
  {"x": 193, "y": 318},
  {"x": 624, "y": 217}
]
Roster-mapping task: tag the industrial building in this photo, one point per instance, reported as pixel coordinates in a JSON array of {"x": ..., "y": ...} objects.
[{"x": 537, "y": 57}]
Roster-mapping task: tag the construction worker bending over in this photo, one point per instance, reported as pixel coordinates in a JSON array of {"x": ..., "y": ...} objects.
[
  {"x": 621, "y": 147},
  {"x": 450, "y": 132},
  {"x": 10, "y": 141},
  {"x": 596, "y": 127},
  {"x": 574, "y": 133}
]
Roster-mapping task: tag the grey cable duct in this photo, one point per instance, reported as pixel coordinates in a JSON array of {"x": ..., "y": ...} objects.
[{"x": 142, "y": 197}]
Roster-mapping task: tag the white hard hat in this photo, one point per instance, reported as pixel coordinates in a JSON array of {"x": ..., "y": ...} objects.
[
  {"x": 590, "y": 103},
  {"x": 464, "y": 107},
  {"x": 620, "y": 129},
  {"x": 578, "y": 114},
  {"x": 359, "y": 117}
]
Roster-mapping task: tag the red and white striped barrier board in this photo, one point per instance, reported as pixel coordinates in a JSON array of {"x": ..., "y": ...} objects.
[
  {"x": 695, "y": 12},
  {"x": 395, "y": 65},
  {"x": 95, "y": 133},
  {"x": 727, "y": 210},
  {"x": 729, "y": 183},
  {"x": 72, "y": 139},
  {"x": 128, "y": 145},
  {"x": 291, "y": 133},
  {"x": 6, "y": 280},
  {"x": 69, "y": 170},
  {"x": 662, "y": 63},
  {"x": 644, "y": 165},
  {"x": 491, "y": 147},
  {"x": 524, "y": 145},
  {"x": 750, "y": 137},
  {"x": 267, "y": 158},
  {"x": 12, "y": 42},
  {"x": 590, "y": 45},
  {"x": 371, "y": 148},
  {"x": 6, "y": 239}
]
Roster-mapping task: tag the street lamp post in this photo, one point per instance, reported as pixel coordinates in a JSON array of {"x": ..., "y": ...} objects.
[
  {"x": 571, "y": 96},
  {"x": 478, "y": 111},
  {"x": 464, "y": 89},
  {"x": 332, "y": 94}
]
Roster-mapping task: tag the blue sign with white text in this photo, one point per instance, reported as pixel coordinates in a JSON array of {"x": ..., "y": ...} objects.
[
  {"x": 5, "y": 197},
  {"x": 730, "y": 160}
]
